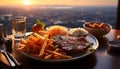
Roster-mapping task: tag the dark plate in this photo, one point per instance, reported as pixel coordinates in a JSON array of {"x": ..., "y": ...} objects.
[{"x": 89, "y": 37}]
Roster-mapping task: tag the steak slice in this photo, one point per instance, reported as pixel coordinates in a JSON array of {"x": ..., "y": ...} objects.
[{"x": 71, "y": 43}]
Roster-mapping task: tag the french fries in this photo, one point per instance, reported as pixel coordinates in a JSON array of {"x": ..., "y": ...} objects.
[
  {"x": 42, "y": 47},
  {"x": 50, "y": 55},
  {"x": 38, "y": 36},
  {"x": 59, "y": 54}
]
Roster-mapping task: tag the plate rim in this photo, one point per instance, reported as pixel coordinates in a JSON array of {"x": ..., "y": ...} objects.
[{"x": 64, "y": 60}]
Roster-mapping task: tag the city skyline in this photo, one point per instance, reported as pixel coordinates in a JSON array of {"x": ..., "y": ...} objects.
[{"x": 58, "y": 2}]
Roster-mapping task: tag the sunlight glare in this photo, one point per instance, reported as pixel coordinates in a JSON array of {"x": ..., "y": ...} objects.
[{"x": 27, "y": 2}]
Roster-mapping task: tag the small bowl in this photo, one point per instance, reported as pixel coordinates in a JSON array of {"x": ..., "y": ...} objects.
[
  {"x": 114, "y": 44},
  {"x": 114, "y": 48},
  {"x": 98, "y": 29}
]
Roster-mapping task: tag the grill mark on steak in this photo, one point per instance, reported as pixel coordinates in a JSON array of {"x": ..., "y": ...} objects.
[{"x": 71, "y": 43}]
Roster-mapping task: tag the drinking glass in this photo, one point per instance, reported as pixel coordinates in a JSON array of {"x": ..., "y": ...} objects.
[
  {"x": 2, "y": 36},
  {"x": 12, "y": 61},
  {"x": 18, "y": 26},
  {"x": 2, "y": 45}
]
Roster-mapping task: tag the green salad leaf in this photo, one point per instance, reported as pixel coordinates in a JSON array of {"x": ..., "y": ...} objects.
[{"x": 38, "y": 22}]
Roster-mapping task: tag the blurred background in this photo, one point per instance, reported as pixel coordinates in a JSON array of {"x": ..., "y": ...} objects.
[{"x": 69, "y": 13}]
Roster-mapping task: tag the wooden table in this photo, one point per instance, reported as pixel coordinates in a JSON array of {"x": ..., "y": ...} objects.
[{"x": 103, "y": 58}]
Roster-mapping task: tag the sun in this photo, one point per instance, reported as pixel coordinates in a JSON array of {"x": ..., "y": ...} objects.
[{"x": 27, "y": 2}]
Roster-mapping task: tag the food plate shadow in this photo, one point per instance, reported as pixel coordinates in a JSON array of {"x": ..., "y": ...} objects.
[
  {"x": 103, "y": 43},
  {"x": 83, "y": 63},
  {"x": 113, "y": 52}
]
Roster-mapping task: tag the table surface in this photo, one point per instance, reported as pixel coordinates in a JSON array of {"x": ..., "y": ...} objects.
[{"x": 102, "y": 58}]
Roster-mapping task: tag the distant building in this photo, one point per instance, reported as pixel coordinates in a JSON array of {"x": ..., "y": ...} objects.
[
  {"x": 58, "y": 22},
  {"x": 6, "y": 17},
  {"x": 82, "y": 21}
]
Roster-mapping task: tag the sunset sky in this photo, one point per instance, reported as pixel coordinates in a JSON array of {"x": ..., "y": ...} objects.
[{"x": 60, "y": 2}]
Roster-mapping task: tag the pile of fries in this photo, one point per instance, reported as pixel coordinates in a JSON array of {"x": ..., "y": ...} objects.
[{"x": 41, "y": 44}]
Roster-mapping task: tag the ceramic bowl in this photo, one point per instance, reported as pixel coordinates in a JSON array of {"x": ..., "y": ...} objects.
[{"x": 97, "y": 29}]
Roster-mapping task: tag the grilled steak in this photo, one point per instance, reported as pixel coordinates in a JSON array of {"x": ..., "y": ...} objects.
[{"x": 71, "y": 43}]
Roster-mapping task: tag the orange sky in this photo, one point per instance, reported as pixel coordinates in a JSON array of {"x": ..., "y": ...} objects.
[{"x": 59, "y": 2}]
